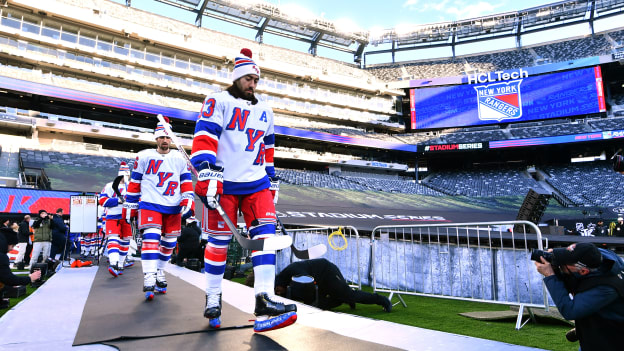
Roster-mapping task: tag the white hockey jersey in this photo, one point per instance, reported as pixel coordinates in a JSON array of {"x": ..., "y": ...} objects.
[
  {"x": 238, "y": 136},
  {"x": 109, "y": 200},
  {"x": 160, "y": 181}
]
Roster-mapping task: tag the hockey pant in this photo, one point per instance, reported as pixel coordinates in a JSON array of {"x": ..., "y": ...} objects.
[{"x": 259, "y": 214}]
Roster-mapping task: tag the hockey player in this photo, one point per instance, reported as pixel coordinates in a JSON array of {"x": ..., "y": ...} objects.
[
  {"x": 162, "y": 181},
  {"x": 233, "y": 154},
  {"x": 118, "y": 231}
]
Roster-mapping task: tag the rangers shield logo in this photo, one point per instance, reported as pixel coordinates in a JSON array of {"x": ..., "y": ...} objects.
[{"x": 499, "y": 101}]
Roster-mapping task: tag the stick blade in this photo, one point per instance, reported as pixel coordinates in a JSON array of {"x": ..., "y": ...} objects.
[
  {"x": 317, "y": 251},
  {"x": 277, "y": 242}
]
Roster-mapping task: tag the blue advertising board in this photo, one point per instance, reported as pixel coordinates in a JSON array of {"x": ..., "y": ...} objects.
[{"x": 506, "y": 98}]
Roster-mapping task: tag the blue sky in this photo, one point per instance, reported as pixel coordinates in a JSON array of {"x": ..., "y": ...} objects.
[{"x": 370, "y": 15}]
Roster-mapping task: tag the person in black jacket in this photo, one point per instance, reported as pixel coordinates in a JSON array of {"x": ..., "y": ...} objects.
[
  {"x": 59, "y": 236},
  {"x": 188, "y": 242},
  {"x": 8, "y": 238},
  {"x": 618, "y": 230},
  {"x": 333, "y": 289},
  {"x": 23, "y": 240}
]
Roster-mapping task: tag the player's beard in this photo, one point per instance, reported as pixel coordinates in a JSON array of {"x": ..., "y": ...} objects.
[{"x": 237, "y": 93}]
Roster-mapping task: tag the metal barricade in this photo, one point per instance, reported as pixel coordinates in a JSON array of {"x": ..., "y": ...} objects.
[
  {"x": 468, "y": 261},
  {"x": 344, "y": 249}
]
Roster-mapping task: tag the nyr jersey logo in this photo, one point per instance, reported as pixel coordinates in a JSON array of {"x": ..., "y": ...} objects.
[{"x": 500, "y": 101}]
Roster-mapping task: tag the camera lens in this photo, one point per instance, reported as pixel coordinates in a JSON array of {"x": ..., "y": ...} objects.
[{"x": 536, "y": 254}]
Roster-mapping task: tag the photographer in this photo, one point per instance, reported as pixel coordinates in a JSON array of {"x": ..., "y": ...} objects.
[
  {"x": 8, "y": 239},
  {"x": 43, "y": 237},
  {"x": 594, "y": 277}
]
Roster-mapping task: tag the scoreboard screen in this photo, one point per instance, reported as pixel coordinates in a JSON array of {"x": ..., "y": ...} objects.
[{"x": 496, "y": 99}]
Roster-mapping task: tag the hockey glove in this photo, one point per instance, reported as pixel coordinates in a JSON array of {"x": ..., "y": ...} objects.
[
  {"x": 209, "y": 184},
  {"x": 187, "y": 206},
  {"x": 275, "y": 181},
  {"x": 130, "y": 210}
]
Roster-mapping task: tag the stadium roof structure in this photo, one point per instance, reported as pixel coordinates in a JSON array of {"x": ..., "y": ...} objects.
[
  {"x": 273, "y": 19},
  {"x": 277, "y": 20},
  {"x": 508, "y": 24}
]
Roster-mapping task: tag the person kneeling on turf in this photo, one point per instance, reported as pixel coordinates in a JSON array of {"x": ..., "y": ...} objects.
[{"x": 333, "y": 289}]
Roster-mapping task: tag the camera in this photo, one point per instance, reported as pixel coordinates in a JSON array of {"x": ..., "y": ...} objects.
[
  {"x": 536, "y": 254},
  {"x": 618, "y": 163}
]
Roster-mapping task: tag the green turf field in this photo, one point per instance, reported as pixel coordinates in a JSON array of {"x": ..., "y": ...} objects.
[{"x": 443, "y": 315}]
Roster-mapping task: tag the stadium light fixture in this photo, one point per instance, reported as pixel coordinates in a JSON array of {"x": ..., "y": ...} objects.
[
  {"x": 543, "y": 13},
  {"x": 376, "y": 33},
  {"x": 402, "y": 30},
  {"x": 246, "y": 3},
  {"x": 491, "y": 23},
  {"x": 346, "y": 25},
  {"x": 298, "y": 13}
]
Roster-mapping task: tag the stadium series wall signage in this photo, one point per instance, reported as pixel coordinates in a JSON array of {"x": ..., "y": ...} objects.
[
  {"x": 554, "y": 95},
  {"x": 453, "y": 147}
]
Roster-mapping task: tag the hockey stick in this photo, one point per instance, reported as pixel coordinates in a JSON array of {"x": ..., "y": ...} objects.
[
  {"x": 306, "y": 254},
  {"x": 269, "y": 244},
  {"x": 115, "y": 187}
]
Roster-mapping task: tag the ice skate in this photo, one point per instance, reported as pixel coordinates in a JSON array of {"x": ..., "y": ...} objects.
[
  {"x": 113, "y": 270},
  {"x": 128, "y": 264},
  {"x": 149, "y": 280},
  {"x": 161, "y": 282},
  {"x": 212, "y": 311},
  {"x": 271, "y": 314}
]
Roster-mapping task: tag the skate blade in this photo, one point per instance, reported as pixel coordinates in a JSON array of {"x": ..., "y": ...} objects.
[
  {"x": 113, "y": 272},
  {"x": 160, "y": 290},
  {"x": 265, "y": 323}
]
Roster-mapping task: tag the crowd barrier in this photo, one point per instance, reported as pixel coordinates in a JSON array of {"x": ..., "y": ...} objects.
[{"x": 482, "y": 262}]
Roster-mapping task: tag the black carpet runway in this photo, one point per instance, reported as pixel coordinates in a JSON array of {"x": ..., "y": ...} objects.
[{"x": 117, "y": 314}]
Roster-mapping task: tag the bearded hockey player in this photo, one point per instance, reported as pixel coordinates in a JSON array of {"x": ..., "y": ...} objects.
[
  {"x": 162, "y": 182},
  {"x": 118, "y": 231},
  {"x": 233, "y": 154}
]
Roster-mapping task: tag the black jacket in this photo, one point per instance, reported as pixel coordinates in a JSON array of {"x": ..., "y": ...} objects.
[
  {"x": 58, "y": 226},
  {"x": 23, "y": 232},
  {"x": 6, "y": 276},
  {"x": 189, "y": 238}
]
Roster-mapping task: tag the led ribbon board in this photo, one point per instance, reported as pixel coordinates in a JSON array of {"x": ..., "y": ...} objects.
[{"x": 519, "y": 99}]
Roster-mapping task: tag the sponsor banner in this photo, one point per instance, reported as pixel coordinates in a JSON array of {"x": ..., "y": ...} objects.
[
  {"x": 92, "y": 98},
  {"x": 559, "y": 139},
  {"x": 412, "y": 109},
  {"x": 453, "y": 147},
  {"x": 495, "y": 100},
  {"x": 532, "y": 71},
  {"x": 281, "y": 130},
  {"x": 109, "y": 101}
]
